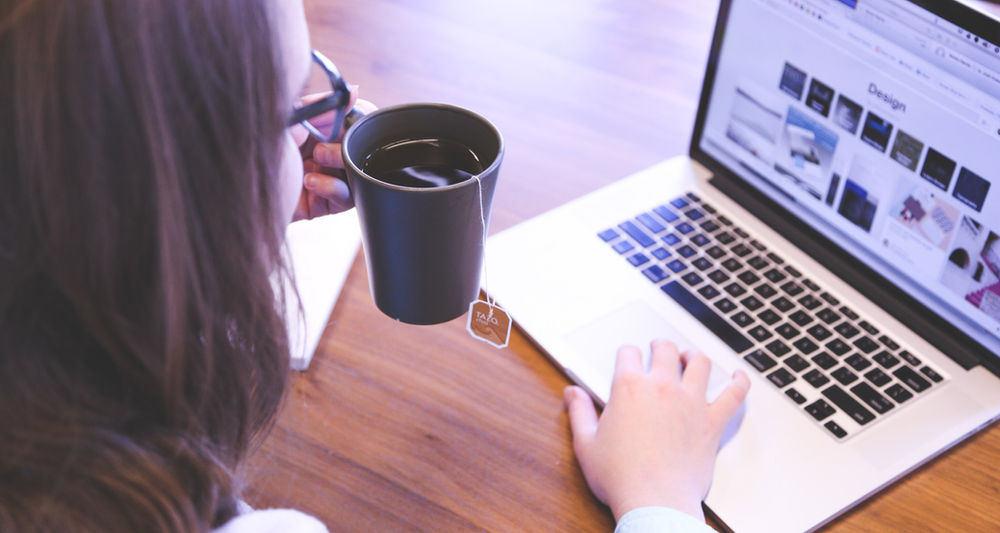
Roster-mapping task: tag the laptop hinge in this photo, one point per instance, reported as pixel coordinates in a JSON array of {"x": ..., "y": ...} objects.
[{"x": 950, "y": 340}]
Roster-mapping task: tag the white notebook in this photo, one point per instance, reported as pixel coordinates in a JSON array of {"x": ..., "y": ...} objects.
[{"x": 322, "y": 251}]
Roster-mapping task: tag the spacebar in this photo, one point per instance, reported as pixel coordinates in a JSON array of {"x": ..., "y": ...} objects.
[{"x": 709, "y": 318}]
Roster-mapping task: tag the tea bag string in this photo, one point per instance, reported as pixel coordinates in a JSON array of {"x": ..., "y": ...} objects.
[{"x": 486, "y": 270}]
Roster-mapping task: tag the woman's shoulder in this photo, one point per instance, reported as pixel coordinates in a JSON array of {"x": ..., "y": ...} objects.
[{"x": 273, "y": 521}]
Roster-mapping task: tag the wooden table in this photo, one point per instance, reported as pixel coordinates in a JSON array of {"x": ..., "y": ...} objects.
[{"x": 398, "y": 427}]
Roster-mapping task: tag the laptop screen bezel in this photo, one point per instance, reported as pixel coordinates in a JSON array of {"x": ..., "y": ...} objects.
[{"x": 945, "y": 336}]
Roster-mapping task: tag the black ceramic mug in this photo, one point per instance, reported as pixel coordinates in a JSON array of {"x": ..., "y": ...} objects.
[{"x": 423, "y": 245}]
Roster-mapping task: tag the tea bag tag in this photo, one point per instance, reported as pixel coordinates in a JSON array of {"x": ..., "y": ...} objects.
[{"x": 489, "y": 323}]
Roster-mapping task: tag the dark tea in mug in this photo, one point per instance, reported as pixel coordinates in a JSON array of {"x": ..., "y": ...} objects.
[{"x": 423, "y": 163}]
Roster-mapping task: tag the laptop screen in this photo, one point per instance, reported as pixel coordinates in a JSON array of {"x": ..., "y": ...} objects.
[{"x": 877, "y": 122}]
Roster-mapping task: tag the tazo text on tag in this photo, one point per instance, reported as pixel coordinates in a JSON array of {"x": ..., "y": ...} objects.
[{"x": 489, "y": 323}]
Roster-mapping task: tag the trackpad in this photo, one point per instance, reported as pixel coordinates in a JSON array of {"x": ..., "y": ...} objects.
[{"x": 596, "y": 344}]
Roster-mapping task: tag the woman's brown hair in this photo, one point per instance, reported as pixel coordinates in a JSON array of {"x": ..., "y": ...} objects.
[{"x": 141, "y": 346}]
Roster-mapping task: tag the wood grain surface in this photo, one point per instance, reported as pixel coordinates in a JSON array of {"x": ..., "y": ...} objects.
[{"x": 407, "y": 428}]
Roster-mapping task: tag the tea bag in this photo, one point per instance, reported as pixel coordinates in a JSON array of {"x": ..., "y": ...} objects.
[{"x": 488, "y": 322}]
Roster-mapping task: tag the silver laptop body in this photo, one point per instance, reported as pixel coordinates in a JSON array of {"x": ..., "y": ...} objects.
[{"x": 842, "y": 195}]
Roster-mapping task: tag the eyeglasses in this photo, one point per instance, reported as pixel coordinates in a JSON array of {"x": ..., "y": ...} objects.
[{"x": 338, "y": 100}]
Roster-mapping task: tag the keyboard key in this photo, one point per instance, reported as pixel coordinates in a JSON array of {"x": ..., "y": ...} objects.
[
  {"x": 655, "y": 273},
  {"x": 778, "y": 348},
  {"x": 775, "y": 258},
  {"x": 638, "y": 259},
  {"x": 797, "y": 363},
  {"x": 608, "y": 235},
  {"x": 758, "y": 262},
  {"x": 781, "y": 377},
  {"x": 741, "y": 233},
  {"x": 700, "y": 240},
  {"x": 702, "y": 264},
  {"x": 858, "y": 362},
  {"x": 849, "y": 405},
  {"x": 796, "y": 396},
  {"x": 820, "y": 409},
  {"x": 824, "y": 361},
  {"x": 835, "y": 429},
  {"x": 830, "y": 299},
  {"x": 844, "y": 375},
  {"x": 748, "y": 277},
  {"x": 879, "y": 378},
  {"x": 676, "y": 265},
  {"x": 757, "y": 244},
  {"x": 708, "y": 208},
  {"x": 792, "y": 271},
  {"x": 765, "y": 290},
  {"x": 686, "y": 251},
  {"x": 725, "y": 237},
  {"x": 819, "y": 333},
  {"x": 741, "y": 250},
  {"x": 637, "y": 234},
  {"x": 651, "y": 223},
  {"x": 815, "y": 378},
  {"x": 878, "y": 403},
  {"x": 929, "y": 372},
  {"x": 725, "y": 305},
  {"x": 660, "y": 253},
  {"x": 787, "y": 331},
  {"x": 684, "y": 228},
  {"x": 692, "y": 278},
  {"x": 898, "y": 393},
  {"x": 886, "y": 359},
  {"x": 810, "y": 284},
  {"x": 846, "y": 329},
  {"x": 622, "y": 247},
  {"x": 709, "y": 226},
  {"x": 866, "y": 344},
  {"x": 742, "y": 319},
  {"x": 725, "y": 220},
  {"x": 810, "y": 302},
  {"x": 828, "y": 315},
  {"x": 872, "y": 330},
  {"x": 760, "y": 333},
  {"x": 679, "y": 203},
  {"x": 709, "y": 292},
  {"x": 759, "y": 360},
  {"x": 910, "y": 358},
  {"x": 769, "y": 317},
  {"x": 752, "y": 303},
  {"x": 694, "y": 214},
  {"x": 693, "y": 197},
  {"x": 848, "y": 312},
  {"x": 715, "y": 252},
  {"x": 706, "y": 316},
  {"x": 800, "y": 317},
  {"x": 792, "y": 289},
  {"x": 783, "y": 304},
  {"x": 732, "y": 264},
  {"x": 718, "y": 276},
  {"x": 806, "y": 345},
  {"x": 665, "y": 213},
  {"x": 735, "y": 290},
  {"x": 838, "y": 347},
  {"x": 889, "y": 343},
  {"x": 775, "y": 275},
  {"x": 670, "y": 239}
]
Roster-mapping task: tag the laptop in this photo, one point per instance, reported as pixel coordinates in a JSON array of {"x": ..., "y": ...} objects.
[{"x": 834, "y": 231}]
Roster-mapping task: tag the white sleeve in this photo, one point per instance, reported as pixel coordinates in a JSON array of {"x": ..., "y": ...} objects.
[
  {"x": 273, "y": 521},
  {"x": 660, "y": 520}
]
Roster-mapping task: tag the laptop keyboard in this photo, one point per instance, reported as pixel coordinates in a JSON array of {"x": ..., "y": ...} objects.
[{"x": 839, "y": 368}]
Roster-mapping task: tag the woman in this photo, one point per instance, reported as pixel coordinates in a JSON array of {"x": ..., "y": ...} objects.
[{"x": 149, "y": 170}]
